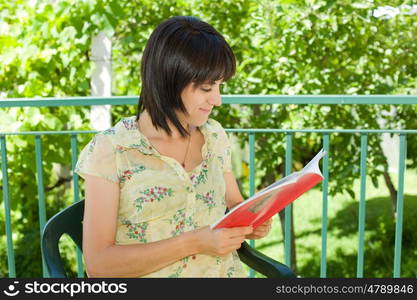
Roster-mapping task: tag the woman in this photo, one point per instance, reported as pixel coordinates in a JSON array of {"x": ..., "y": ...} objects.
[{"x": 155, "y": 182}]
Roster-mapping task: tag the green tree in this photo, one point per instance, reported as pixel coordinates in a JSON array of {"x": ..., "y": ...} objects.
[{"x": 282, "y": 47}]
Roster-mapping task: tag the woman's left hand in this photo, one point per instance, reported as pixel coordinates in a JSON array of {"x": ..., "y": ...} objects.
[{"x": 260, "y": 231}]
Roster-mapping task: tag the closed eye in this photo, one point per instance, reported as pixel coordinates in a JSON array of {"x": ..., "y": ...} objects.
[{"x": 209, "y": 89}]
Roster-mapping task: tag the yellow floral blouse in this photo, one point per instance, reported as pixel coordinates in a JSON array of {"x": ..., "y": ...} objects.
[{"x": 158, "y": 198}]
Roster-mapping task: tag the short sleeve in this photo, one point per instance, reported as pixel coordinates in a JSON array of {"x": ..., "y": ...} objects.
[
  {"x": 225, "y": 152},
  {"x": 227, "y": 156},
  {"x": 98, "y": 158}
]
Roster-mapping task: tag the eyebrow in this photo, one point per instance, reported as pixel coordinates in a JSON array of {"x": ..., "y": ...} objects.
[{"x": 212, "y": 82}]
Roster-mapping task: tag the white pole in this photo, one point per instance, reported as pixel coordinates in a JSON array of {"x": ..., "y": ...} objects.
[
  {"x": 390, "y": 144},
  {"x": 100, "y": 117}
]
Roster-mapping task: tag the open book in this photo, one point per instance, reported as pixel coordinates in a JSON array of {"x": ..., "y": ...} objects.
[{"x": 272, "y": 199}]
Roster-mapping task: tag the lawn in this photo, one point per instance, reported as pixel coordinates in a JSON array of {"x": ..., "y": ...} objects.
[{"x": 342, "y": 241}]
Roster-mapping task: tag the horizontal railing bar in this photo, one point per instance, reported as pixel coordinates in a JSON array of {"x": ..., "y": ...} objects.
[
  {"x": 254, "y": 130},
  {"x": 227, "y": 99},
  {"x": 49, "y": 132},
  {"x": 404, "y": 131}
]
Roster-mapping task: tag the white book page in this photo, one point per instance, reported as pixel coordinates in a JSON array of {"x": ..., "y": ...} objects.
[{"x": 313, "y": 165}]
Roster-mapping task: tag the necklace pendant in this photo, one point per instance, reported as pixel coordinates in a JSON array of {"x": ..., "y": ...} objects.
[{"x": 183, "y": 165}]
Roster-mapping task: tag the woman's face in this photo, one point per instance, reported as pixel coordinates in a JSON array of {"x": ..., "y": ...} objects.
[{"x": 199, "y": 101}]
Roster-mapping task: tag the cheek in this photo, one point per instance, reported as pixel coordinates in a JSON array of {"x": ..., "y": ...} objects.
[
  {"x": 190, "y": 101},
  {"x": 193, "y": 101},
  {"x": 193, "y": 107}
]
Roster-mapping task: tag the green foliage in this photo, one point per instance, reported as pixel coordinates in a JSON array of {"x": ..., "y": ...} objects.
[
  {"x": 321, "y": 47},
  {"x": 282, "y": 47},
  {"x": 379, "y": 240}
]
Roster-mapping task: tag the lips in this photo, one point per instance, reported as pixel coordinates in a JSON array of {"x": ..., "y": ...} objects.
[{"x": 206, "y": 110}]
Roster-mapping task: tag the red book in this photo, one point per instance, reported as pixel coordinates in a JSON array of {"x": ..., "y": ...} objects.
[{"x": 272, "y": 199}]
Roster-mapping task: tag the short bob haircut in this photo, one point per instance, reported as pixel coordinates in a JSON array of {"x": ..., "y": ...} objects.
[{"x": 181, "y": 50}]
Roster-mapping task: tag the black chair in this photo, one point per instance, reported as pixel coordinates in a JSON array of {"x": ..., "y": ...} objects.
[{"x": 70, "y": 219}]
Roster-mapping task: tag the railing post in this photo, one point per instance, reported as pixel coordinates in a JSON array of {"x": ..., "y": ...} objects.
[
  {"x": 400, "y": 206},
  {"x": 6, "y": 200},
  {"x": 41, "y": 195},
  {"x": 323, "y": 259},
  {"x": 362, "y": 206},
  {"x": 288, "y": 208},
  {"x": 251, "y": 181},
  {"x": 80, "y": 265}
]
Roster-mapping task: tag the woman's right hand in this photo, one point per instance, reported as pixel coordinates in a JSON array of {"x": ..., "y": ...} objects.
[{"x": 219, "y": 242}]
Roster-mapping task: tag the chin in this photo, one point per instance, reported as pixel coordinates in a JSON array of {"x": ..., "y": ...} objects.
[{"x": 199, "y": 122}]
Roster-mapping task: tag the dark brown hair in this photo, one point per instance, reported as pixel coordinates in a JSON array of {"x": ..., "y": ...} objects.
[{"x": 181, "y": 50}]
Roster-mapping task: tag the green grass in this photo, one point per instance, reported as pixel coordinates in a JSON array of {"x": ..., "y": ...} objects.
[{"x": 342, "y": 237}]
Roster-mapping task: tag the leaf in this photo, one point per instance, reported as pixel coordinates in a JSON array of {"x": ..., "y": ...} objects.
[
  {"x": 363, "y": 5},
  {"x": 117, "y": 9},
  {"x": 112, "y": 20},
  {"x": 68, "y": 34},
  {"x": 351, "y": 193},
  {"x": 254, "y": 80},
  {"x": 375, "y": 181}
]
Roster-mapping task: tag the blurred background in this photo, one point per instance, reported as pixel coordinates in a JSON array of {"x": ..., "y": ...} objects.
[{"x": 67, "y": 48}]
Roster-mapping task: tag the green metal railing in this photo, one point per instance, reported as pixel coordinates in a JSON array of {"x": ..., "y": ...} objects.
[{"x": 239, "y": 99}]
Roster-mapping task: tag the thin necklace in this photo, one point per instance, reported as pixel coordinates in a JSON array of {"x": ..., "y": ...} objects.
[{"x": 188, "y": 146}]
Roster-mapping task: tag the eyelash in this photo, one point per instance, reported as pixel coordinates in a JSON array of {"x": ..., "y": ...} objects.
[{"x": 209, "y": 90}]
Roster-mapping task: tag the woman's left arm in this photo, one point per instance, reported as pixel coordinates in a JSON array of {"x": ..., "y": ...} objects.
[{"x": 234, "y": 197}]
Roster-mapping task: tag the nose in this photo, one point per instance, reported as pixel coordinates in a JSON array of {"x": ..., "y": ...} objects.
[{"x": 215, "y": 98}]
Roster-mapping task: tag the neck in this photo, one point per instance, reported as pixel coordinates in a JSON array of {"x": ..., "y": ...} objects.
[{"x": 147, "y": 128}]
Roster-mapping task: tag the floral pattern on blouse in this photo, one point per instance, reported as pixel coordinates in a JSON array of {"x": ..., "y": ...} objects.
[
  {"x": 136, "y": 231},
  {"x": 127, "y": 174},
  {"x": 208, "y": 199},
  {"x": 156, "y": 193},
  {"x": 158, "y": 198},
  {"x": 201, "y": 177},
  {"x": 180, "y": 220}
]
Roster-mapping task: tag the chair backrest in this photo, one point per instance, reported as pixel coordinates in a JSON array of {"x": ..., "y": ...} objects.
[{"x": 67, "y": 221}]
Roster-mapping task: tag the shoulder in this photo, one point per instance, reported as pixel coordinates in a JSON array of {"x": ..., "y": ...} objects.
[
  {"x": 214, "y": 124},
  {"x": 216, "y": 135},
  {"x": 124, "y": 130},
  {"x": 215, "y": 128}
]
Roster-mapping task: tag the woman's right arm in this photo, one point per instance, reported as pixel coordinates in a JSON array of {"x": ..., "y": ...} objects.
[{"x": 103, "y": 258}]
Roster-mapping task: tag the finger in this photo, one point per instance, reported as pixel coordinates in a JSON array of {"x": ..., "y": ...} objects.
[
  {"x": 231, "y": 247},
  {"x": 262, "y": 229},
  {"x": 240, "y": 231},
  {"x": 267, "y": 222},
  {"x": 268, "y": 229},
  {"x": 262, "y": 226},
  {"x": 259, "y": 233},
  {"x": 238, "y": 240},
  {"x": 252, "y": 237}
]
